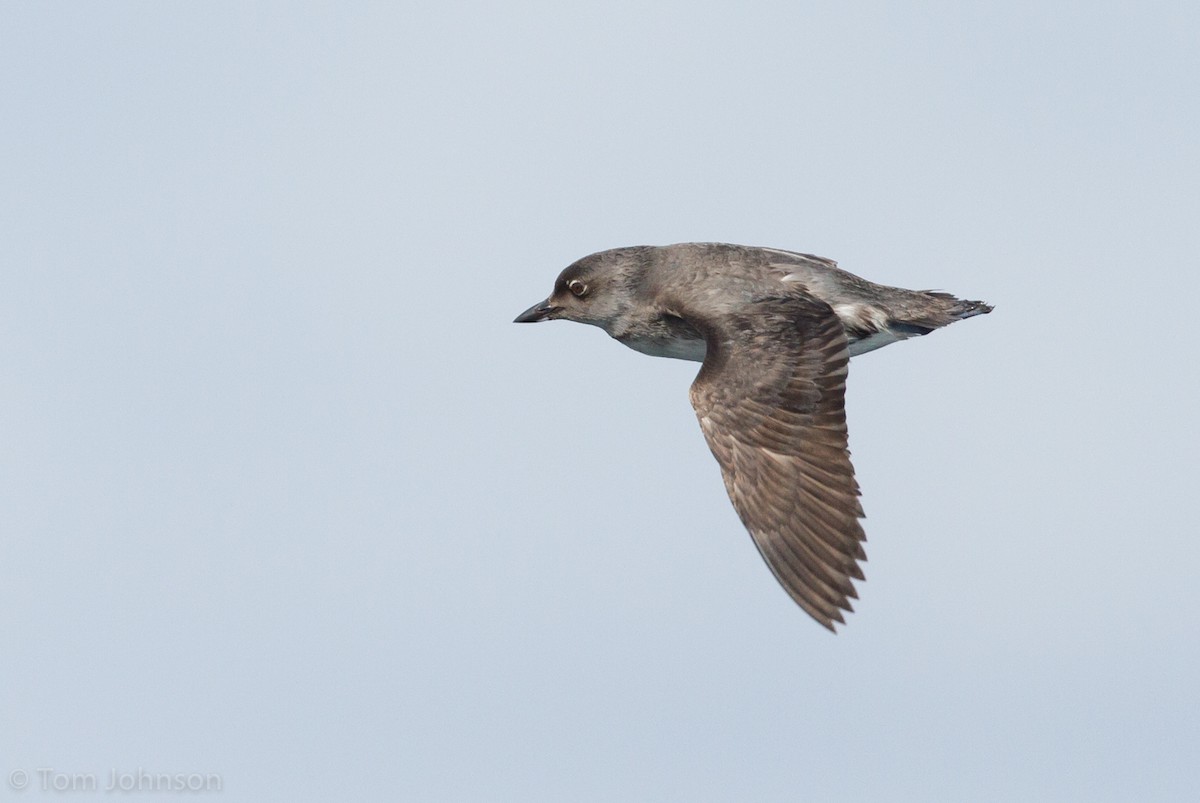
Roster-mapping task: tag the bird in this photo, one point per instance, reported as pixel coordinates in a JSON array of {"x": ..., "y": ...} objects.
[{"x": 774, "y": 331}]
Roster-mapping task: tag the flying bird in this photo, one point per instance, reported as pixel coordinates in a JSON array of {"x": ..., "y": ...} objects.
[{"x": 775, "y": 331}]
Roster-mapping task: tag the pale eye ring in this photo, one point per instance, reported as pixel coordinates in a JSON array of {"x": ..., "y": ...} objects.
[{"x": 577, "y": 288}]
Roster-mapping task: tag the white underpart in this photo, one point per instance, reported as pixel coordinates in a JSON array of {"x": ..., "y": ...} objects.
[
  {"x": 865, "y": 316},
  {"x": 875, "y": 341},
  {"x": 680, "y": 349}
]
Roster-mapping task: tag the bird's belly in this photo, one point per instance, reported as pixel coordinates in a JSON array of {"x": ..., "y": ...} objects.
[
  {"x": 679, "y": 348},
  {"x": 686, "y": 348},
  {"x": 874, "y": 341}
]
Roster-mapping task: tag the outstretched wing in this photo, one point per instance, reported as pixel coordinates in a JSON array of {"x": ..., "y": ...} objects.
[{"x": 770, "y": 399}]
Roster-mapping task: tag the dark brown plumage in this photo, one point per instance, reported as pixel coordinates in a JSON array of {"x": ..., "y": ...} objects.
[
  {"x": 770, "y": 400},
  {"x": 775, "y": 331}
]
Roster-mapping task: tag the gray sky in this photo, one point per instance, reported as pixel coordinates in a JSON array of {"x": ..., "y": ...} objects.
[{"x": 286, "y": 498}]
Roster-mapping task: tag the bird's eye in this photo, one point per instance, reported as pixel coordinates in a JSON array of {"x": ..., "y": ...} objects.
[{"x": 577, "y": 288}]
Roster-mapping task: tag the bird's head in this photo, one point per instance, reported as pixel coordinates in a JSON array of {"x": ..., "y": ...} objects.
[{"x": 597, "y": 290}]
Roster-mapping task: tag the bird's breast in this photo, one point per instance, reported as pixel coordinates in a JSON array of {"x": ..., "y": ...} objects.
[{"x": 678, "y": 348}]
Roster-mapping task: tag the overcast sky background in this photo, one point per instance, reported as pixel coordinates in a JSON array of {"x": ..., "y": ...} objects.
[{"x": 285, "y": 497}]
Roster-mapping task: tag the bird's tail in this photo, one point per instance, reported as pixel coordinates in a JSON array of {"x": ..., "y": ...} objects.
[
  {"x": 928, "y": 310},
  {"x": 969, "y": 309},
  {"x": 948, "y": 309}
]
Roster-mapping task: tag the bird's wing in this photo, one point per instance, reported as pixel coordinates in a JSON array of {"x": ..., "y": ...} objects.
[{"x": 770, "y": 399}]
